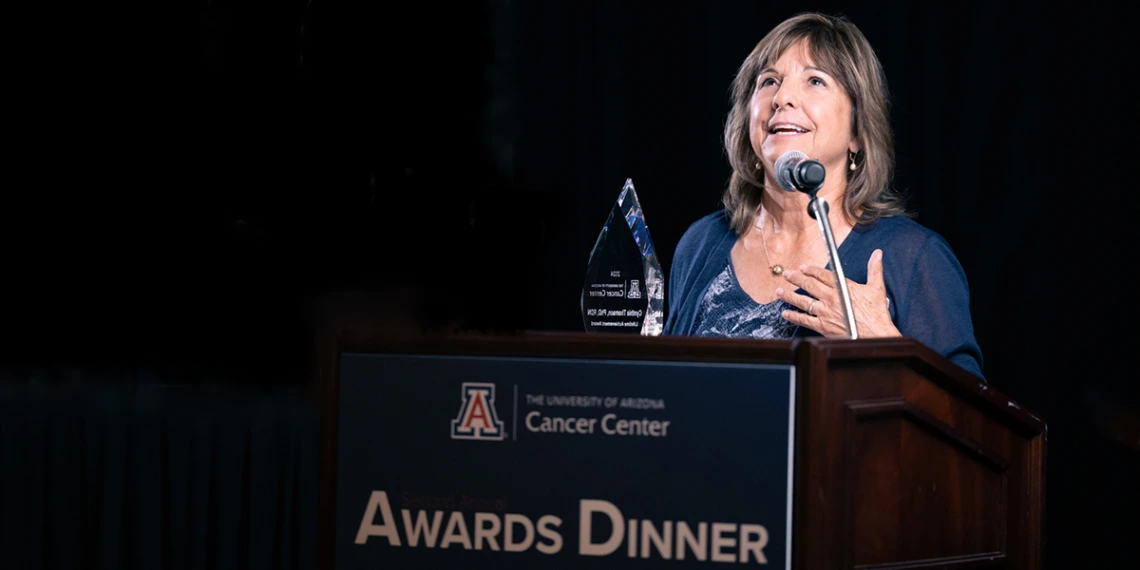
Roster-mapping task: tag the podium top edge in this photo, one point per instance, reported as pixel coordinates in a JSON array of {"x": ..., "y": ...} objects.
[
  {"x": 798, "y": 352},
  {"x": 575, "y": 345}
]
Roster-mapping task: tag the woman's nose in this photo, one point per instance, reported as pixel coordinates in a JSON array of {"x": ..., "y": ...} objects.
[{"x": 785, "y": 96}]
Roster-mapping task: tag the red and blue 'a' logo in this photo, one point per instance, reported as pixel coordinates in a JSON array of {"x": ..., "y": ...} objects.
[{"x": 477, "y": 416}]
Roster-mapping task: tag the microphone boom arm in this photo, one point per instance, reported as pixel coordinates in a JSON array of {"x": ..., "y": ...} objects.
[{"x": 818, "y": 208}]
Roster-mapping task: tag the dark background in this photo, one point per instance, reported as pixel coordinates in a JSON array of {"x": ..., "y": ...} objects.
[{"x": 191, "y": 185}]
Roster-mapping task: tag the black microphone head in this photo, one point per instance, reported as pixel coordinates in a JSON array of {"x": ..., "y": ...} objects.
[{"x": 784, "y": 166}]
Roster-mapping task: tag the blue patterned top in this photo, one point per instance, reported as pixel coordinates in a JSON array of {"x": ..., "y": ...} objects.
[{"x": 728, "y": 311}]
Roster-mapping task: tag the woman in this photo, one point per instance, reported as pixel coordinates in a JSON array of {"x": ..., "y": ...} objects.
[{"x": 759, "y": 267}]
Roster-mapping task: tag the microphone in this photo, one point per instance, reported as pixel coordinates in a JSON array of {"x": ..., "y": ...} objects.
[{"x": 795, "y": 171}]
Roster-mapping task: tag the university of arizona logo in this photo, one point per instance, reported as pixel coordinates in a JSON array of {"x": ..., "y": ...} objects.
[
  {"x": 634, "y": 289},
  {"x": 477, "y": 416}
]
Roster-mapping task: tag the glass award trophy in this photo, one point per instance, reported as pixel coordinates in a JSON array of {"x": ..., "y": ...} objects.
[{"x": 625, "y": 289}]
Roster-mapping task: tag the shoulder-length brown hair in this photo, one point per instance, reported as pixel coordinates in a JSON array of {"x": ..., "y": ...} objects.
[{"x": 840, "y": 49}]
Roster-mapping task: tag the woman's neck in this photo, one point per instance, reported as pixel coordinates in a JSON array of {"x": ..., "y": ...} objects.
[{"x": 788, "y": 211}]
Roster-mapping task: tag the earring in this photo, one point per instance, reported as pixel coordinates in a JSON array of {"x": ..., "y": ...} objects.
[{"x": 853, "y": 161}]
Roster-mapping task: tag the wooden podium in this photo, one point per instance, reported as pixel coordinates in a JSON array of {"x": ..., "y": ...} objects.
[{"x": 902, "y": 459}]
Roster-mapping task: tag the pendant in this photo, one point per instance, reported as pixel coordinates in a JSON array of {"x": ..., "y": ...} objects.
[{"x": 777, "y": 269}]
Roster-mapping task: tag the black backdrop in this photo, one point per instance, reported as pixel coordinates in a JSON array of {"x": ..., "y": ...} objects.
[{"x": 193, "y": 178}]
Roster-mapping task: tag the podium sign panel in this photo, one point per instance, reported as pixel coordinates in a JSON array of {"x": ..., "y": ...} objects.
[{"x": 471, "y": 461}]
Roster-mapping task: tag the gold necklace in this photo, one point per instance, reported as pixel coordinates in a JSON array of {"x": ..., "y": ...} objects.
[{"x": 776, "y": 268}]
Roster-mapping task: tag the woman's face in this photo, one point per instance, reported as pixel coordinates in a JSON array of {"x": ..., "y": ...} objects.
[{"x": 796, "y": 106}]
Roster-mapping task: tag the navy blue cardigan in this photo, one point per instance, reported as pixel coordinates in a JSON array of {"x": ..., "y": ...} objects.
[{"x": 929, "y": 296}]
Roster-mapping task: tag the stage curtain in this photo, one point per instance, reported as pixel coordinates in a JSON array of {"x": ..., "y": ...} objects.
[{"x": 151, "y": 476}]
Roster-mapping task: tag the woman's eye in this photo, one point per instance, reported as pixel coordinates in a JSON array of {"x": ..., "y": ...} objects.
[
  {"x": 816, "y": 81},
  {"x": 766, "y": 81}
]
